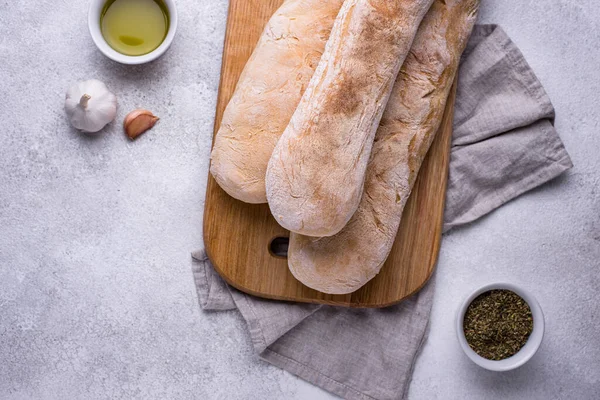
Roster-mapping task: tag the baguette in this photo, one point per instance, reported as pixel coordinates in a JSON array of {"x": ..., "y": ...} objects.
[
  {"x": 267, "y": 93},
  {"x": 343, "y": 263},
  {"x": 316, "y": 174}
]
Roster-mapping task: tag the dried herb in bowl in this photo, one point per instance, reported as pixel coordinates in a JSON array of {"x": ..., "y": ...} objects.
[{"x": 497, "y": 324}]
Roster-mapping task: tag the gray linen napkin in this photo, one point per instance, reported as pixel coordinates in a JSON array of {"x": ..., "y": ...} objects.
[{"x": 504, "y": 144}]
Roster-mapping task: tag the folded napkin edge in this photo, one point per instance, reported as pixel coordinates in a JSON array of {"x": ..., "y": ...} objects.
[
  {"x": 312, "y": 375},
  {"x": 529, "y": 182}
]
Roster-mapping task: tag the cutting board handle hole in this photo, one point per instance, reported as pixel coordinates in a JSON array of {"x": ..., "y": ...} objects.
[{"x": 278, "y": 247}]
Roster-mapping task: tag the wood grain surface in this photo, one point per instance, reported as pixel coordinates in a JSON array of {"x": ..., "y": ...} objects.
[{"x": 237, "y": 236}]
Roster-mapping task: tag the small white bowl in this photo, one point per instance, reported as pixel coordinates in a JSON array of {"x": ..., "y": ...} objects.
[
  {"x": 94, "y": 25},
  {"x": 530, "y": 348}
]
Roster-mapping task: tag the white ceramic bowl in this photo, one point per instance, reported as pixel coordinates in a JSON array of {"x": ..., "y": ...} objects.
[
  {"x": 530, "y": 348},
  {"x": 94, "y": 25}
]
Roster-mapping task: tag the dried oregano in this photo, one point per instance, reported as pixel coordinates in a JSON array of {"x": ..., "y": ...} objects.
[{"x": 497, "y": 324}]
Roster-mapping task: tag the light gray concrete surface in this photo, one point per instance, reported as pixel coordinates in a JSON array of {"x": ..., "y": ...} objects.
[{"x": 96, "y": 294}]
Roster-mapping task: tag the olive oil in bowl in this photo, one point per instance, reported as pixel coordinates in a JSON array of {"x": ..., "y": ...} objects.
[{"x": 134, "y": 27}]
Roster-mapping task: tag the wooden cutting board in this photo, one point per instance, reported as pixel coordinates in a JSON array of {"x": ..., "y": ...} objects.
[{"x": 241, "y": 239}]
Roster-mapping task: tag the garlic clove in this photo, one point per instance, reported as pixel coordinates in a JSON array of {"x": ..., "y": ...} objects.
[{"x": 138, "y": 121}]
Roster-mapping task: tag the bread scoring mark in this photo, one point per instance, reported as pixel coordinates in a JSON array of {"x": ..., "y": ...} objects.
[
  {"x": 411, "y": 144},
  {"x": 428, "y": 93},
  {"x": 380, "y": 226},
  {"x": 413, "y": 164}
]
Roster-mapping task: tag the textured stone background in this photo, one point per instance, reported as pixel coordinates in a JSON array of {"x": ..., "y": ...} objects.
[{"x": 96, "y": 293}]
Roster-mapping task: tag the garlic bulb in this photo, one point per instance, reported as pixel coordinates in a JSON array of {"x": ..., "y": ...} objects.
[{"x": 90, "y": 106}]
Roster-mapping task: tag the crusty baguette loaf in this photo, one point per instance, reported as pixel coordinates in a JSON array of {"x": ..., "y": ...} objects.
[
  {"x": 343, "y": 263},
  {"x": 267, "y": 93},
  {"x": 316, "y": 174}
]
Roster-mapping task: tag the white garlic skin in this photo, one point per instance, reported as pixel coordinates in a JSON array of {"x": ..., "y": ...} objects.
[{"x": 93, "y": 114}]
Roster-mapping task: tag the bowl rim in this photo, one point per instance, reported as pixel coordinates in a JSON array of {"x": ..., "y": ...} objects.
[
  {"x": 530, "y": 348},
  {"x": 94, "y": 27}
]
